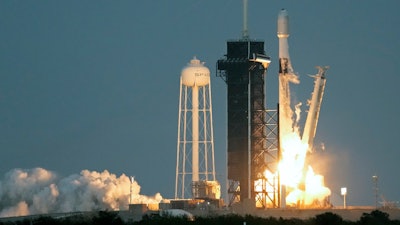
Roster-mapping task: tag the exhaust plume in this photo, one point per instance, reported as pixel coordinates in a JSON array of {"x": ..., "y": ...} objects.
[{"x": 39, "y": 191}]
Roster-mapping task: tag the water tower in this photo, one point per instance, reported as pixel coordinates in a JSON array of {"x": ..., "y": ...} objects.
[{"x": 195, "y": 166}]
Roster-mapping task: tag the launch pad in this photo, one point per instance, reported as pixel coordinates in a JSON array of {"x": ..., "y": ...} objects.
[
  {"x": 266, "y": 154},
  {"x": 266, "y": 148},
  {"x": 265, "y": 151}
]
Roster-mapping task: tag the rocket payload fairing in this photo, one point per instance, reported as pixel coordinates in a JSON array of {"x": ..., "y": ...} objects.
[
  {"x": 285, "y": 66},
  {"x": 286, "y": 75},
  {"x": 283, "y": 24}
]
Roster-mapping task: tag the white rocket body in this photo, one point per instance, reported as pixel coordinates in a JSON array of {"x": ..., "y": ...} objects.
[{"x": 286, "y": 75}]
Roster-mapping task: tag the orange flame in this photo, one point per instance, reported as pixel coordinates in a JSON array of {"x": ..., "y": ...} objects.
[{"x": 303, "y": 187}]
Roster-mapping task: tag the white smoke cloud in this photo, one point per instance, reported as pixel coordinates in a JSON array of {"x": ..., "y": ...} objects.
[
  {"x": 293, "y": 78},
  {"x": 37, "y": 191},
  {"x": 323, "y": 146},
  {"x": 296, "y": 126}
]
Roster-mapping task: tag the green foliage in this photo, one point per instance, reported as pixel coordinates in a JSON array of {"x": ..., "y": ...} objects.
[
  {"x": 162, "y": 220},
  {"x": 328, "y": 218},
  {"x": 107, "y": 218},
  {"x": 75, "y": 220},
  {"x": 376, "y": 217},
  {"x": 112, "y": 218},
  {"x": 45, "y": 221}
]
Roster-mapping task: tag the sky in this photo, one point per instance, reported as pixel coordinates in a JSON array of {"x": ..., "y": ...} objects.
[{"x": 95, "y": 85}]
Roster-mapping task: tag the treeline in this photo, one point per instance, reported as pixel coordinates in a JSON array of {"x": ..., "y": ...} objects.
[{"x": 112, "y": 218}]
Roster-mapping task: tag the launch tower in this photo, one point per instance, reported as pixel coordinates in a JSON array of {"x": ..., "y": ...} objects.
[{"x": 243, "y": 69}]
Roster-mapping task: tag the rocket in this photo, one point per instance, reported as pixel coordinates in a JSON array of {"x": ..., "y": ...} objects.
[
  {"x": 285, "y": 66},
  {"x": 286, "y": 74}
]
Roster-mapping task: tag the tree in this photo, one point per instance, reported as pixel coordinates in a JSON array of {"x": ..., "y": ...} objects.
[
  {"x": 376, "y": 217},
  {"x": 107, "y": 218},
  {"x": 328, "y": 218}
]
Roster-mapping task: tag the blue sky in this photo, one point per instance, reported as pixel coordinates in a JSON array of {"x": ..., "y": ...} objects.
[{"x": 95, "y": 84}]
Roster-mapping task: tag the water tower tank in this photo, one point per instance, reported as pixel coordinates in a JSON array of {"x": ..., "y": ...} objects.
[{"x": 195, "y": 74}]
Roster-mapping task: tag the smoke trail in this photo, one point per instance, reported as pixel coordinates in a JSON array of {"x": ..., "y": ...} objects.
[
  {"x": 296, "y": 125},
  {"x": 37, "y": 191}
]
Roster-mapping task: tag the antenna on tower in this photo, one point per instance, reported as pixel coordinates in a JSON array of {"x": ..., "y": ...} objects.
[{"x": 245, "y": 33}]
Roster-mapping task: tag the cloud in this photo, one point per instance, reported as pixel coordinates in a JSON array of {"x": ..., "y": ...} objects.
[{"x": 37, "y": 191}]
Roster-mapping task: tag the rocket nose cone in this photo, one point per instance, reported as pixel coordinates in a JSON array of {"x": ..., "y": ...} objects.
[
  {"x": 283, "y": 24},
  {"x": 283, "y": 14}
]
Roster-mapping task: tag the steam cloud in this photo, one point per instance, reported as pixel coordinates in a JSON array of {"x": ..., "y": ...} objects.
[{"x": 39, "y": 191}]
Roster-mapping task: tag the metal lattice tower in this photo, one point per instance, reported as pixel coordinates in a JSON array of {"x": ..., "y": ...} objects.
[{"x": 243, "y": 70}]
